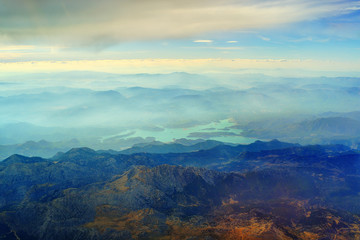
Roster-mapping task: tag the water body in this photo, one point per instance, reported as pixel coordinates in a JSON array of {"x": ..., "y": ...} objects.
[{"x": 219, "y": 130}]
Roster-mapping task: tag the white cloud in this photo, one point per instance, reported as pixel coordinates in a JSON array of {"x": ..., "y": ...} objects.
[
  {"x": 9, "y": 56},
  {"x": 203, "y": 41},
  {"x": 228, "y": 48},
  {"x": 220, "y": 48},
  {"x": 232, "y": 41},
  {"x": 309, "y": 39},
  {"x": 264, "y": 38},
  {"x": 16, "y": 47}
]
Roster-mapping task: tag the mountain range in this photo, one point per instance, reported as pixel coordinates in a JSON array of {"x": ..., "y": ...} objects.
[
  {"x": 328, "y": 128},
  {"x": 264, "y": 190},
  {"x": 94, "y": 106}
]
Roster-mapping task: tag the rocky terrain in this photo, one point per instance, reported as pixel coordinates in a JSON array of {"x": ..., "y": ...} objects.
[{"x": 265, "y": 190}]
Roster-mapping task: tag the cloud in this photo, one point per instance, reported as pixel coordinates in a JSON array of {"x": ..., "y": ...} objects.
[
  {"x": 228, "y": 48},
  {"x": 203, "y": 41},
  {"x": 232, "y": 41},
  {"x": 309, "y": 39},
  {"x": 101, "y": 23},
  {"x": 208, "y": 65},
  {"x": 264, "y": 38},
  {"x": 9, "y": 56},
  {"x": 16, "y": 47},
  {"x": 219, "y": 48}
]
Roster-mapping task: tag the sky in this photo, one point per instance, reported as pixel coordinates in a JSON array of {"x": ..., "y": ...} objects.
[{"x": 162, "y": 36}]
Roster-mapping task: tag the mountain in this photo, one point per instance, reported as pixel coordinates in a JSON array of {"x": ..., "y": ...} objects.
[
  {"x": 41, "y": 148},
  {"x": 111, "y": 104},
  {"x": 353, "y": 115},
  {"x": 319, "y": 127},
  {"x": 265, "y": 190},
  {"x": 158, "y": 147},
  {"x": 47, "y": 149},
  {"x": 145, "y": 203},
  {"x": 323, "y": 130},
  {"x": 331, "y": 125}
]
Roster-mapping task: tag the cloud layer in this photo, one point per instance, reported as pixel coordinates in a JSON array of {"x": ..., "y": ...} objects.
[
  {"x": 282, "y": 67},
  {"x": 105, "y": 22}
]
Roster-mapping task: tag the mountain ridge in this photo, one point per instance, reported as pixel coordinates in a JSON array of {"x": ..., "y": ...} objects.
[{"x": 258, "y": 191}]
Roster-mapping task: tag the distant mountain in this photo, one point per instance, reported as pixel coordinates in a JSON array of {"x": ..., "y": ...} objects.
[
  {"x": 291, "y": 192},
  {"x": 331, "y": 125},
  {"x": 18, "y": 133},
  {"x": 353, "y": 115},
  {"x": 188, "y": 142},
  {"x": 324, "y": 130},
  {"x": 41, "y": 148},
  {"x": 221, "y": 154},
  {"x": 47, "y": 149},
  {"x": 158, "y": 147}
]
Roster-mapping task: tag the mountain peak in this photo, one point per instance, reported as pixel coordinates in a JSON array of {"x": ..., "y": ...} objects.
[
  {"x": 17, "y": 158},
  {"x": 81, "y": 150},
  {"x": 77, "y": 153}
]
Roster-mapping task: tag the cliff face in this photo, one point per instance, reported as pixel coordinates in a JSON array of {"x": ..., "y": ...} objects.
[{"x": 291, "y": 193}]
